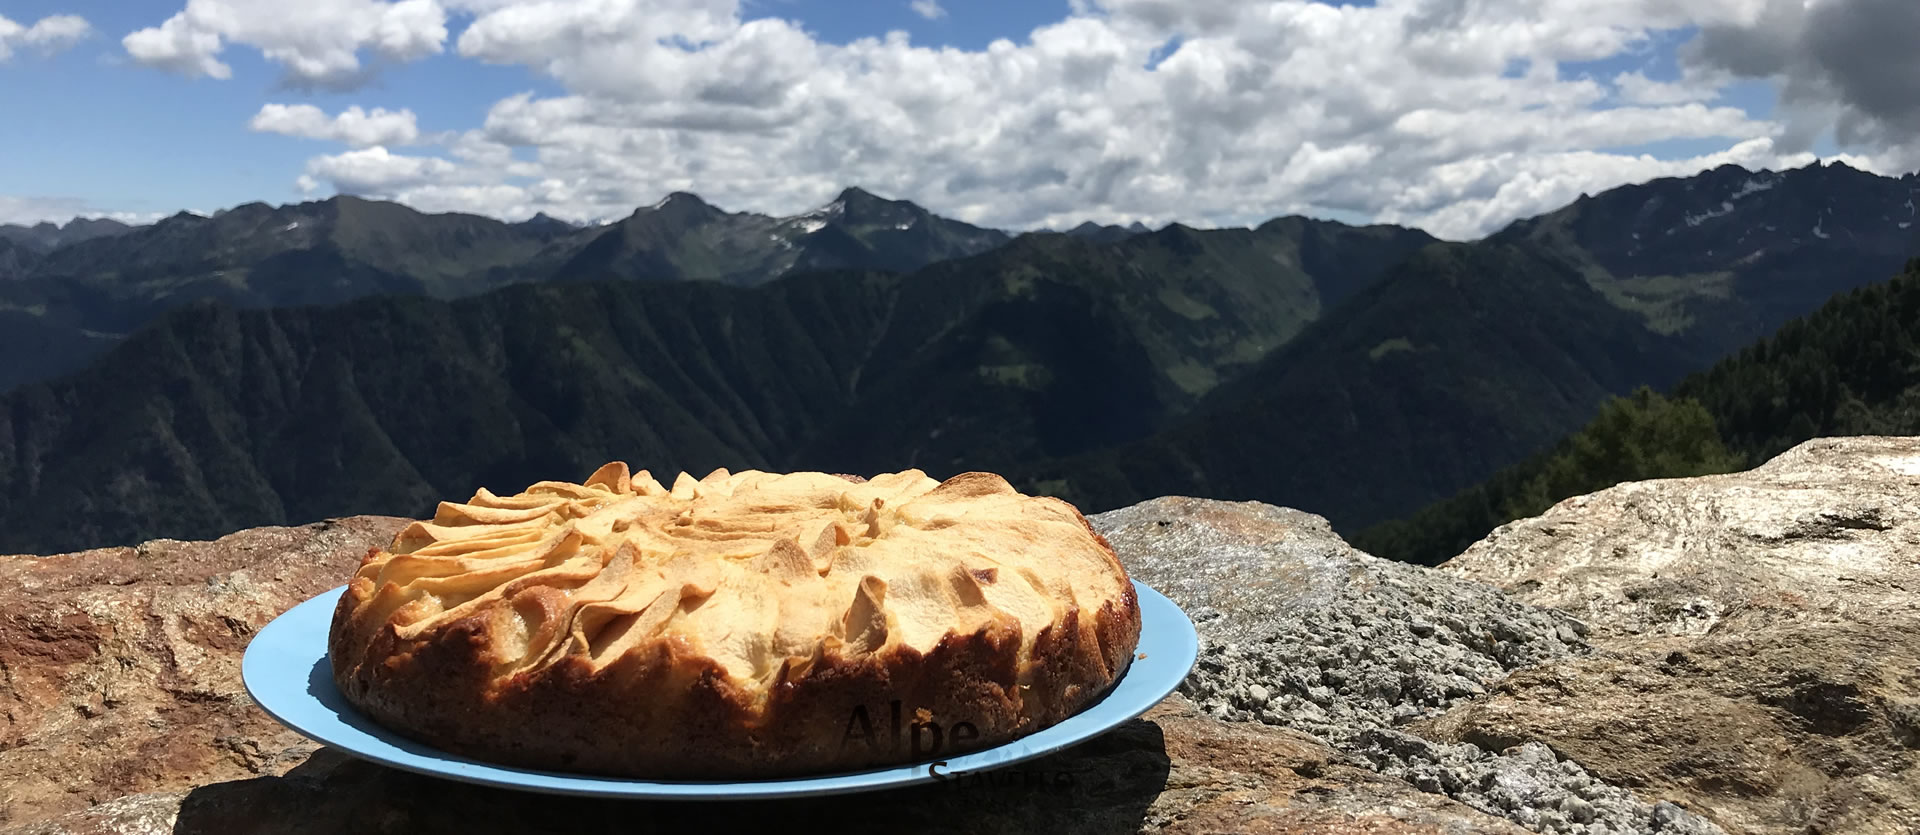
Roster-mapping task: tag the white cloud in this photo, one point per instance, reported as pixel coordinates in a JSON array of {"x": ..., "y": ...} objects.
[
  {"x": 353, "y": 126},
  {"x": 318, "y": 42},
  {"x": 1844, "y": 66},
  {"x": 48, "y": 34},
  {"x": 377, "y": 172},
  {"x": 1221, "y": 112},
  {"x": 929, "y": 9},
  {"x": 1636, "y": 88},
  {"x": 59, "y": 210},
  {"x": 1486, "y": 194}
]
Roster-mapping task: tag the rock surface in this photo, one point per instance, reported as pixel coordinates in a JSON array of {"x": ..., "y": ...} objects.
[
  {"x": 120, "y": 667},
  {"x": 1171, "y": 771},
  {"x": 1738, "y": 646},
  {"x": 1757, "y": 652},
  {"x": 1298, "y": 629},
  {"x": 120, "y": 680}
]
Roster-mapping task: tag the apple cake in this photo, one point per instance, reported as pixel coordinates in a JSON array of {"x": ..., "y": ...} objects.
[{"x": 745, "y": 625}]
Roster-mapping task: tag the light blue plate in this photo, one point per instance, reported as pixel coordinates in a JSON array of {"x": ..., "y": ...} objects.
[{"x": 287, "y": 673}]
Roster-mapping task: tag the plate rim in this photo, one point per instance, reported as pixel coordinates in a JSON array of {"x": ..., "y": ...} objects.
[{"x": 1166, "y": 617}]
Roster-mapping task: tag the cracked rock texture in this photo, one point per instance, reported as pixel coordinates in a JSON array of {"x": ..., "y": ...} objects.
[
  {"x": 125, "y": 713},
  {"x": 1299, "y": 629},
  {"x": 1756, "y": 652},
  {"x": 120, "y": 667}
]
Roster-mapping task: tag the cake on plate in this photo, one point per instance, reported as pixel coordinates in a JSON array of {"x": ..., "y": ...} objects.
[{"x": 741, "y": 626}]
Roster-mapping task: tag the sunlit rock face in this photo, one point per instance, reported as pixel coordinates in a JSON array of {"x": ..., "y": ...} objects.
[{"x": 1754, "y": 633}]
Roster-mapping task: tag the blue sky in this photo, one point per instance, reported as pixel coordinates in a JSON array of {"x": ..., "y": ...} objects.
[
  {"x": 95, "y": 130},
  {"x": 136, "y": 139},
  {"x": 133, "y": 139}
]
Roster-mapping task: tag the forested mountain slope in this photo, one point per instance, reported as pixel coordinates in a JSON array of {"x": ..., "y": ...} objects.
[
  {"x": 1851, "y": 368},
  {"x": 216, "y": 418}
]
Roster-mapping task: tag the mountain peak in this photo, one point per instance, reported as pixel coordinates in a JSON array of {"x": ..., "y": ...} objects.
[
  {"x": 679, "y": 206},
  {"x": 680, "y": 199},
  {"x": 1092, "y": 231},
  {"x": 677, "y": 201},
  {"x": 93, "y": 223},
  {"x": 346, "y": 202},
  {"x": 861, "y": 201},
  {"x": 856, "y": 194},
  {"x": 256, "y": 207}
]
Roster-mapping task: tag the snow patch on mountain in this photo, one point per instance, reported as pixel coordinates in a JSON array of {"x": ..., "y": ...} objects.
[
  {"x": 1726, "y": 208},
  {"x": 1751, "y": 186}
]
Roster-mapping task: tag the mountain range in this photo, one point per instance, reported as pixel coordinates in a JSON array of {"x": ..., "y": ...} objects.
[
  {"x": 69, "y": 301},
  {"x": 43, "y": 237},
  {"x": 1467, "y": 357},
  {"x": 1357, "y": 372},
  {"x": 22, "y": 248},
  {"x": 1107, "y": 233},
  {"x": 1048, "y": 346}
]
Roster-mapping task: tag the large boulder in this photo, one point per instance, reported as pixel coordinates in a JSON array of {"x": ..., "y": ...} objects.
[
  {"x": 1300, "y": 630},
  {"x": 1756, "y": 635},
  {"x": 125, "y": 713}
]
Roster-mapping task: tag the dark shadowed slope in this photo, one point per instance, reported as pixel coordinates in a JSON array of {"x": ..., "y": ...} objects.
[
  {"x": 1472, "y": 356},
  {"x": 1457, "y": 358},
  {"x": 215, "y": 418}
]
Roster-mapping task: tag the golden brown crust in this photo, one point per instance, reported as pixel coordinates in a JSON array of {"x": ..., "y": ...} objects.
[{"x": 666, "y": 707}]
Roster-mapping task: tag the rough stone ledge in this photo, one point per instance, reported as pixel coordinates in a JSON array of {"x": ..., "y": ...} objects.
[
  {"x": 1756, "y": 656},
  {"x": 1300, "y": 630},
  {"x": 124, "y": 713}
]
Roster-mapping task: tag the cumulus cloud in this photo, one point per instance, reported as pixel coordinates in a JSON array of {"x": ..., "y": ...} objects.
[
  {"x": 1453, "y": 115},
  {"x": 48, "y": 34},
  {"x": 376, "y": 172},
  {"x": 929, "y": 9},
  {"x": 353, "y": 126},
  {"x": 318, "y": 42},
  {"x": 1843, "y": 65}
]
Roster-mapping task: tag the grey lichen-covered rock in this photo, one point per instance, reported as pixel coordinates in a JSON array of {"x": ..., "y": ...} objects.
[
  {"x": 1300, "y": 630},
  {"x": 1528, "y": 784},
  {"x": 1757, "y": 656},
  {"x": 1335, "y": 640}
]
